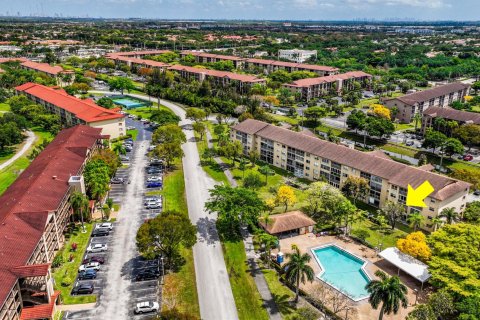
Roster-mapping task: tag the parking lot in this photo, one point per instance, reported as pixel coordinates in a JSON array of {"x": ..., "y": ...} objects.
[{"x": 116, "y": 284}]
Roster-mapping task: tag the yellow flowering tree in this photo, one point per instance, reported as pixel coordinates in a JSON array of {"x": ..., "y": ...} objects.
[
  {"x": 270, "y": 204},
  {"x": 468, "y": 98},
  {"x": 380, "y": 111},
  {"x": 415, "y": 244},
  {"x": 286, "y": 196}
]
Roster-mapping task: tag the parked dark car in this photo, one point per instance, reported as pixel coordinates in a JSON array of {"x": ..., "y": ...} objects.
[
  {"x": 409, "y": 143},
  {"x": 83, "y": 288},
  {"x": 100, "y": 232},
  {"x": 117, "y": 180},
  {"x": 154, "y": 184},
  {"x": 98, "y": 259},
  {"x": 147, "y": 275},
  {"x": 87, "y": 275},
  {"x": 153, "y": 170},
  {"x": 476, "y": 192}
]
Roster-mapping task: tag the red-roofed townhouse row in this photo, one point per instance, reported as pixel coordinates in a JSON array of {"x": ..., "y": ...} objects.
[
  {"x": 34, "y": 214},
  {"x": 73, "y": 111},
  {"x": 63, "y": 77}
]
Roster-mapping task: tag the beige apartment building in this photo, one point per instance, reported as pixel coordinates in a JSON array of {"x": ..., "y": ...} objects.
[
  {"x": 418, "y": 102},
  {"x": 73, "y": 111},
  {"x": 315, "y": 159}
]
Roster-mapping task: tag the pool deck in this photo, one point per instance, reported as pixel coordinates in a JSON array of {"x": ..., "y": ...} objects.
[{"x": 361, "y": 310}]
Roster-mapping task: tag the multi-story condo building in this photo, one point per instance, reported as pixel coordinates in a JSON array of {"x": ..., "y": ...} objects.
[
  {"x": 73, "y": 111},
  {"x": 204, "y": 57},
  {"x": 136, "y": 54},
  {"x": 268, "y": 66},
  {"x": 63, "y": 77},
  {"x": 311, "y": 88},
  {"x": 418, "y": 102},
  {"x": 134, "y": 59},
  {"x": 296, "y": 55},
  {"x": 315, "y": 159},
  {"x": 34, "y": 214},
  {"x": 220, "y": 78},
  {"x": 461, "y": 117}
]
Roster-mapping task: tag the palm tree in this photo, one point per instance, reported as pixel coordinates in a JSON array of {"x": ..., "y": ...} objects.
[
  {"x": 119, "y": 149},
  {"x": 297, "y": 268},
  {"x": 268, "y": 242},
  {"x": 436, "y": 223},
  {"x": 388, "y": 291},
  {"x": 79, "y": 203},
  {"x": 449, "y": 214},
  {"x": 417, "y": 117},
  {"x": 415, "y": 220}
]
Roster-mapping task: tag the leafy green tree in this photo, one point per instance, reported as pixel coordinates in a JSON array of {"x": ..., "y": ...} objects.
[
  {"x": 106, "y": 103},
  {"x": 10, "y": 135},
  {"x": 97, "y": 178},
  {"x": 422, "y": 312},
  {"x": 234, "y": 206},
  {"x": 455, "y": 255},
  {"x": 356, "y": 188},
  {"x": 297, "y": 269},
  {"x": 390, "y": 292},
  {"x": 169, "y": 133},
  {"x": 327, "y": 204},
  {"x": 199, "y": 128},
  {"x": 163, "y": 117},
  {"x": 315, "y": 114},
  {"x": 268, "y": 242},
  {"x": 356, "y": 120},
  {"x": 433, "y": 139},
  {"x": 451, "y": 146},
  {"x": 393, "y": 211},
  {"x": 379, "y": 127},
  {"x": 472, "y": 212},
  {"x": 164, "y": 235},
  {"x": 232, "y": 149},
  {"x": 195, "y": 114},
  {"x": 168, "y": 152},
  {"x": 468, "y": 134},
  {"x": 119, "y": 148},
  {"x": 252, "y": 181},
  {"x": 253, "y": 156},
  {"x": 469, "y": 308},
  {"x": 121, "y": 84}
]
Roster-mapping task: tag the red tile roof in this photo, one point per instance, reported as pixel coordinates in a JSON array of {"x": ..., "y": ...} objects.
[
  {"x": 43, "y": 311},
  {"x": 453, "y": 114},
  {"x": 85, "y": 110},
  {"x": 426, "y": 95},
  {"x": 212, "y": 55},
  {"x": 38, "y": 190},
  {"x": 292, "y": 65},
  {"x": 327, "y": 79},
  {"x": 3, "y": 60},
  {"x": 217, "y": 74},
  {"x": 43, "y": 67},
  {"x": 136, "y": 53},
  {"x": 33, "y": 270},
  {"x": 149, "y": 63}
]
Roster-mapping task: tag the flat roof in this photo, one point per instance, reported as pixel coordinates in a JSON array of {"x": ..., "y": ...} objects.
[{"x": 407, "y": 263}]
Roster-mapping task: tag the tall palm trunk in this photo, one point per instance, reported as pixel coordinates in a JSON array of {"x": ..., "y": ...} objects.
[
  {"x": 297, "y": 289},
  {"x": 382, "y": 311}
]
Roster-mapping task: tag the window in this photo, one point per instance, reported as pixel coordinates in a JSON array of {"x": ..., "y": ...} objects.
[
  {"x": 432, "y": 200},
  {"x": 431, "y": 209},
  {"x": 325, "y": 161},
  {"x": 307, "y": 161}
]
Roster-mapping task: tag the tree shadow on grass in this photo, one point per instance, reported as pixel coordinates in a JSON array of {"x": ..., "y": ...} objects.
[{"x": 284, "y": 303}]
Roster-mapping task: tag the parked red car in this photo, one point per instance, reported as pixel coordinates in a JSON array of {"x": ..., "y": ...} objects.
[{"x": 468, "y": 157}]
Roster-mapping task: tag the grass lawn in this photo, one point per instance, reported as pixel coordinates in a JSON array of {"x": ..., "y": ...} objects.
[
  {"x": 281, "y": 294},
  {"x": 404, "y": 126},
  {"x": 134, "y": 133},
  {"x": 146, "y": 112},
  {"x": 474, "y": 109},
  {"x": 69, "y": 269},
  {"x": 10, "y": 173},
  {"x": 388, "y": 238},
  {"x": 247, "y": 298},
  {"x": 180, "y": 286}
]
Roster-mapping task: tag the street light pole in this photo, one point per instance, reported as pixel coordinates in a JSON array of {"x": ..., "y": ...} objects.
[{"x": 163, "y": 271}]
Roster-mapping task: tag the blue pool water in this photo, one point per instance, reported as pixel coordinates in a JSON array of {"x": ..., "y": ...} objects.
[
  {"x": 128, "y": 103},
  {"x": 343, "y": 271}
]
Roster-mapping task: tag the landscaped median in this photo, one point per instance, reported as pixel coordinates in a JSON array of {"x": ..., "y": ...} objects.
[{"x": 65, "y": 274}]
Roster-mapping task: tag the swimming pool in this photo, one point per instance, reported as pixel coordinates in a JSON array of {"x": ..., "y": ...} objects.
[
  {"x": 343, "y": 271},
  {"x": 128, "y": 103}
]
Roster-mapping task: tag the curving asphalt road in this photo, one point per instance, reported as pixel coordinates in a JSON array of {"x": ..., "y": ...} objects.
[
  {"x": 30, "y": 140},
  {"x": 213, "y": 285}
]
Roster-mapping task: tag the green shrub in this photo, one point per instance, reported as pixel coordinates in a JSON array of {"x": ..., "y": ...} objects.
[{"x": 66, "y": 281}]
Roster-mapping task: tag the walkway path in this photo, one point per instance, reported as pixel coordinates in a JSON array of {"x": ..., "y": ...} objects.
[
  {"x": 258, "y": 277},
  {"x": 30, "y": 140}
]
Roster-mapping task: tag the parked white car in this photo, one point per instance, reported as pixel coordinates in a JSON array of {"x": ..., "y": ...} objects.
[
  {"x": 146, "y": 306},
  {"x": 105, "y": 225},
  {"x": 154, "y": 179},
  {"x": 89, "y": 266},
  {"x": 97, "y": 247}
]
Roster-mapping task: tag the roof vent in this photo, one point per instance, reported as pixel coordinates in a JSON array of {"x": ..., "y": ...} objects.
[{"x": 54, "y": 177}]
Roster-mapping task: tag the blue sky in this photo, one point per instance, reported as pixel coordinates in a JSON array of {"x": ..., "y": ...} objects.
[{"x": 251, "y": 9}]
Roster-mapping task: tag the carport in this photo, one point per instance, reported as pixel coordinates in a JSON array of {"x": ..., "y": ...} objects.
[{"x": 406, "y": 263}]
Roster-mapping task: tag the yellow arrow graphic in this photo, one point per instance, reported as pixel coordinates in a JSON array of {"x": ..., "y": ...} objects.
[{"x": 415, "y": 197}]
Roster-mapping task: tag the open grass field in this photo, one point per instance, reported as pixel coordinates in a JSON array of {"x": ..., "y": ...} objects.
[
  {"x": 66, "y": 273},
  {"x": 376, "y": 237}
]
